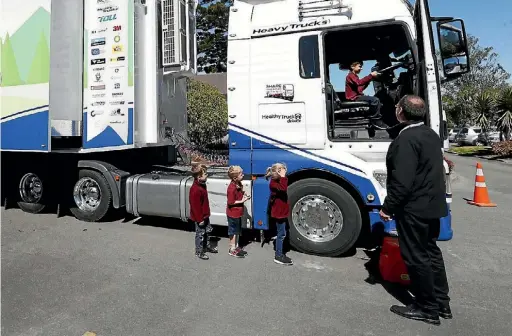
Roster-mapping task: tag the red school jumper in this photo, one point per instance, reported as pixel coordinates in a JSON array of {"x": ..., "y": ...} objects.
[
  {"x": 235, "y": 193},
  {"x": 279, "y": 208},
  {"x": 199, "y": 203},
  {"x": 354, "y": 86}
]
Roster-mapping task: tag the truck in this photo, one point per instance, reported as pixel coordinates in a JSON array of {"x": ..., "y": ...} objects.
[{"x": 94, "y": 100}]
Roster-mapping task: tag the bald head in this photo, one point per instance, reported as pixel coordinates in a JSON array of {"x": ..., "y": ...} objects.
[{"x": 413, "y": 108}]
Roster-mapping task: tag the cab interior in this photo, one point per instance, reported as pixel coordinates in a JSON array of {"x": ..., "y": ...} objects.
[{"x": 385, "y": 48}]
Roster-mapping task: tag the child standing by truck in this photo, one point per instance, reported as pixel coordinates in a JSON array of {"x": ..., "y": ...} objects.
[
  {"x": 235, "y": 210},
  {"x": 200, "y": 211},
  {"x": 279, "y": 208}
]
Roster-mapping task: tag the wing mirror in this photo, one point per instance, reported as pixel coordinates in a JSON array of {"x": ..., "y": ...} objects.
[{"x": 453, "y": 47}]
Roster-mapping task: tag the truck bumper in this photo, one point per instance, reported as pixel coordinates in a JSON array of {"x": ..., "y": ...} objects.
[{"x": 379, "y": 226}]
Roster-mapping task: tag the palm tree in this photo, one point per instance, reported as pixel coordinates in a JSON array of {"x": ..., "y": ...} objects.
[
  {"x": 504, "y": 106},
  {"x": 484, "y": 104}
]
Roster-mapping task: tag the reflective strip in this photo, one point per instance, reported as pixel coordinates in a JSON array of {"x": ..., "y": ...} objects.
[
  {"x": 448, "y": 200},
  {"x": 479, "y": 172},
  {"x": 480, "y": 184}
]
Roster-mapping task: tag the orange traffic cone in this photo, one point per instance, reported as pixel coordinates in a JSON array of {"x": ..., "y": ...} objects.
[{"x": 480, "y": 196}]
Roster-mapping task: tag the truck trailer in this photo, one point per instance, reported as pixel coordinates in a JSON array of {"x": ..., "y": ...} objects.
[{"x": 94, "y": 100}]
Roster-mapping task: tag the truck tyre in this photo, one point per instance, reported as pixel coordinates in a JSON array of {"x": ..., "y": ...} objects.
[
  {"x": 324, "y": 218},
  {"x": 91, "y": 195},
  {"x": 31, "y": 193}
]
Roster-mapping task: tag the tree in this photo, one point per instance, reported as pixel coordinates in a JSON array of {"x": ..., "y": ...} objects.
[
  {"x": 483, "y": 107},
  {"x": 486, "y": 74},
  {"x": 40, "y": 68},
  {"x": 212, "y": 42},
  {"x": 504, "y": 106},
  {"x": 207, "y": 113},
  {"x": 9, "y": 68}
]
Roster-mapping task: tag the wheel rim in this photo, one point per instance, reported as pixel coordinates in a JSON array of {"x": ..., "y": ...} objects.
[
  {"x": 31, "y": 188},
  {"x": 317, "y": 218},
  {"x": 87, "y": 194}
]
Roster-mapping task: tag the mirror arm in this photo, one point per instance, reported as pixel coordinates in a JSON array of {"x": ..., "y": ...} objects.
[{"x": 441, "y": 18}]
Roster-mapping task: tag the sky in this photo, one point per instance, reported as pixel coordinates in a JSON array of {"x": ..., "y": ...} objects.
[{"x": 490, "y": 21}]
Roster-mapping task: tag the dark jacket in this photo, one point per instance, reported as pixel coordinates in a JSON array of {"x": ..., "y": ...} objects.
[
  {"x": 415, "y": 179},
  {"x": 199, "y": 203},
  {"x": 279, "y": 207}
]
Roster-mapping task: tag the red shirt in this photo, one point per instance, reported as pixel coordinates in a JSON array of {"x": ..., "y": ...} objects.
[
  {"x": 279, "y": 207},
  {"x": 199, "y": 204},
  {"x": 354, "y": 86},
  {"x": 235, "y": 193}
]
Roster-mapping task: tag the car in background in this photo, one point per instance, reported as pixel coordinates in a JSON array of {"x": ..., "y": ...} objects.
[
  {"x": 453, "y": 133},
  {"x": 468, "y": 136},
  {"x": 488, "y": 138}
]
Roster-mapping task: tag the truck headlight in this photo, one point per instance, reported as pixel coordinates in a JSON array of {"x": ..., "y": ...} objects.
[{"x": 381, "y": 177}]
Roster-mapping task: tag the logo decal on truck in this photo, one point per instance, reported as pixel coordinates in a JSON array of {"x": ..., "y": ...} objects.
[
  {"x": 108, "y": 9},
  {"x": 97, "y": 41},
  {"x": 290, "y": 118},
  {"x": 98, "y": 87},
  {"x": 117, "y": 48},
  {"x": 291, "y": 27},
  {"x": 94, "y": 113},
  {"x": 117, "y": 59},
  {"x": 99, "y": 31},
  {"x": 280, "y": 91},
  {"x": 97, "y": 61},
  {"x": 107, "y": 18},
  {"x": 97, "y": 51}
]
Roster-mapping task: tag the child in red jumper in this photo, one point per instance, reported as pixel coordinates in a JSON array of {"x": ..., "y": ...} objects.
[
  {"x": 279, "y": 208},
  {"x": 354, "y": 88},
  {"x": 235, "y": 210},
  {"x": 200, "y": 211}
]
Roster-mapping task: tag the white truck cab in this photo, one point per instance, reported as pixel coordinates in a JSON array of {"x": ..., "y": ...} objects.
[{"x": 327, "y": 142}]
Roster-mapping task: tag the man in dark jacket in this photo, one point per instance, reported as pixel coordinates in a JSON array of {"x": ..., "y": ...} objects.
[{"x": 416, "y": 200}]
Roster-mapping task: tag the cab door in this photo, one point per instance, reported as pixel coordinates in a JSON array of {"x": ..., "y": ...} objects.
[{"x": 428, "y": 81}]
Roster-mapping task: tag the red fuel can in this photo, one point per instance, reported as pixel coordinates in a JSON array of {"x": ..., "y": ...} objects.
[{"x": 391, "y": 265}]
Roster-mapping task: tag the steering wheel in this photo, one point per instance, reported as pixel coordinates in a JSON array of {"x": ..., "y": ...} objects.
[{"x": 393, "y": 67}]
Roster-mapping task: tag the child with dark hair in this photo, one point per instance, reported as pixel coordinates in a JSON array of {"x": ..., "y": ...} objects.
[
  {"x": 354, "y": 87},
  {"x": 200, "y": 211}
]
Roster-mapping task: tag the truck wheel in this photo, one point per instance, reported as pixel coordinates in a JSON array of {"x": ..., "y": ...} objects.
[
  {"x": 31, "y": 193},
  {"x": 92, "y": 196},
  {"x": 324, "y": 219}
]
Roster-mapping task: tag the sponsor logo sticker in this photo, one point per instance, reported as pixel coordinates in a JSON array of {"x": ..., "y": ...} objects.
[
  {"x": 107, "y": 18},
  {"x": 117, "y": 59},
  {"x": 97, "y": 51},
  {"x": 98, "y": 31},
  {"x": 94, "y": 113},
  {"x": 117, "y": 48},
  {"x": 98, "y": 61},
  {"x": 98, "y": 87},
  {"x": 108, "y": 9}
]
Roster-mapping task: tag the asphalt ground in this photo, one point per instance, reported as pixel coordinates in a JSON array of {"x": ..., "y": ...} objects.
[{"x": 61, "y": 276}]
